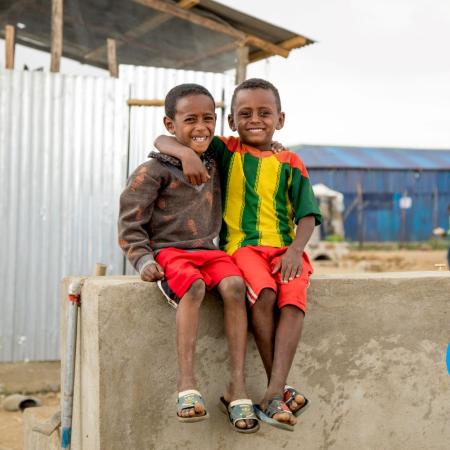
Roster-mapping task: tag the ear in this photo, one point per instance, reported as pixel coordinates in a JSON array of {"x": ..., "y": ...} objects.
[
  {"x": 231, "y": 122},
  {"x": 281, "y": 119},
  {"x": 168, "y": 123}
]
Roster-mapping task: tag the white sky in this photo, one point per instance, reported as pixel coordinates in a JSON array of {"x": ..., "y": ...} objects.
[{"x": 379, "y": 74}]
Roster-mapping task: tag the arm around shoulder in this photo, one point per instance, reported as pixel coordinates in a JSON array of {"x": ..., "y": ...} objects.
[{"x": 193, "y": 168}]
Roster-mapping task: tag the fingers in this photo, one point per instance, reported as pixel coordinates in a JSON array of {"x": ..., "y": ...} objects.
[
  {"x": 198, "y": 178},
  {"x": 152, "y": 272},
  {"x": 289, "y": 271},
  {"x": 277, "y": 267}
]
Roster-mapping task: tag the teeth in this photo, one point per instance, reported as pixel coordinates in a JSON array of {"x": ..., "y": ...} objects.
[
  {"x": 255, "y": 129},
  {"x": 199, "y": 138}
]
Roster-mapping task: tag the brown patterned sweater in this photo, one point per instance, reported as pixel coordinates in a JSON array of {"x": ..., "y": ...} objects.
[{"x": 159, "y": 208}]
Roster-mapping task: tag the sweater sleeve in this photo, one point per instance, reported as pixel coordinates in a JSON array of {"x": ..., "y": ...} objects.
[{"x": 135, "y": 211}]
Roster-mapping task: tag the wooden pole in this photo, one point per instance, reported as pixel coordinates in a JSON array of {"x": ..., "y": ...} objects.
[
  {"x": 9, "y": 46},
  {"x": 242, "y": 62},
  {"x": 360, "y": 216},
  {"x": 57, "y": 35},
  {"x": 112, "y": 57}
]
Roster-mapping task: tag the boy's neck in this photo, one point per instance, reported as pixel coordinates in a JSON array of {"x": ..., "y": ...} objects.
[{"x": 262, "y": 148}]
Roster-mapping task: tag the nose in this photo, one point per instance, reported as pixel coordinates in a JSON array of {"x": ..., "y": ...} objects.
[{"x": 255, "y": 117}]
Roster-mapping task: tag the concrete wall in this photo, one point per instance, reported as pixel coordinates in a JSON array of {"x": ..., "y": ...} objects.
[{"x": 371, "y": 360}]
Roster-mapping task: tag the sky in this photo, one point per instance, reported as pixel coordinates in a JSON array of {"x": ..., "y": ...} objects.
[{"x": 379, "y": 74}]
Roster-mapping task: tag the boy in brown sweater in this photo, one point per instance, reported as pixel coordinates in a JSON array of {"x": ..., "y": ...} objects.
[{"x": 167, "y": 229}]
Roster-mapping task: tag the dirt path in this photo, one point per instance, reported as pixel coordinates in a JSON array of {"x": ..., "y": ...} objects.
[{"x": 383, "y": 261}]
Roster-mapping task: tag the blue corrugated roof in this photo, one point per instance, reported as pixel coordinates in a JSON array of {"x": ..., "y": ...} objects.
[{"x": 318, "y": 156}]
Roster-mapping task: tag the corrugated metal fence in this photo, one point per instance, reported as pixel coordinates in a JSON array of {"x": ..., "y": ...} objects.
[{"x": 65, "y": 144}]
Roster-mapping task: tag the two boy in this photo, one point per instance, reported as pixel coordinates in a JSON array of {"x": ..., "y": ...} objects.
[{"x": 263, "y": 195}]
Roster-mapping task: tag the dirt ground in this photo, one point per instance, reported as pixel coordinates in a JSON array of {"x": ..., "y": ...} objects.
[
  {"x": 383, "y": 261},
  {"x": 42, "y": 379}
]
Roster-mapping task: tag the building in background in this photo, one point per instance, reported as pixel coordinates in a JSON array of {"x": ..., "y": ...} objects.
[{"x": 389, "y": 194}]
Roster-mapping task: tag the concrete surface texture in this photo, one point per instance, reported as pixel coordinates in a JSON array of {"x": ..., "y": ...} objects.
[
  {"x": 32, "y": 440},
  {"x": 371, "y": 360}
]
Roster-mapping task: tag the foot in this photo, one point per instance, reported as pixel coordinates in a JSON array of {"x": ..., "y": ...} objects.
[
  {"x": 242, "y": 424},
  {"x": 294, "y": 399},
  {"x": 276, "y": 409},
  {"x": 190, "y": 405}
]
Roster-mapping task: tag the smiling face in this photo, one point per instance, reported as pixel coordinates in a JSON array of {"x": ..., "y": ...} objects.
[
  {"x": 255, "y": 117},
  {"x": 194, "y": 122}
]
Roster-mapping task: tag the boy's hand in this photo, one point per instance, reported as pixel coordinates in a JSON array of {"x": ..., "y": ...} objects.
[
  {"x": 289, "y": 265},
  {"x": 194, "y": 170},
  {"x": 277, "y": 147},
  {"x": 152, "y": 272}
]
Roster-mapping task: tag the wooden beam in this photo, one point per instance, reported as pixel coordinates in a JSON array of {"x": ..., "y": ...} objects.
[
  {"x": 242, "y": 62},
  {"x": 288, "y": 44},
  {"x": 112, "y": 57},
  {"x": 57, "y": 35},
  {"x": 9, "y": 46},
  {"x": 214, "y": 26},
  {"x": 143, "y": 28},
  {"x": 158, "y": 102}
]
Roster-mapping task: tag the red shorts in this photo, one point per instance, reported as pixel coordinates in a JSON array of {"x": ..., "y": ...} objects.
[
  {"x": 256, "y": 264},
  {"x": 183, "y": 267}
]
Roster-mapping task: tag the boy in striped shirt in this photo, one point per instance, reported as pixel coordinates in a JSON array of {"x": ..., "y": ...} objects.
[{"x": 264, "y": 195}]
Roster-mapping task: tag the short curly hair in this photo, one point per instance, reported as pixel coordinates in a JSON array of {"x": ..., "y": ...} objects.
[
  {"x": 180, "y": 91},
  {"x": 257, "y": 83}
]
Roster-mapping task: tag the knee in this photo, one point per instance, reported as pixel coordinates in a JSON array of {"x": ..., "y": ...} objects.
[
  {"x": 232, "y": 288},
  {"x": 266, "y": 301},
  {"x": 197, "y": 291}
]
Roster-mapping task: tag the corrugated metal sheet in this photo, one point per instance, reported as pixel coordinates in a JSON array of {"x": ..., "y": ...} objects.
[
  {"x": 64, "y": 150},
  {"x": 63, "y": 145},
  {"x": 315, "y": 156}
]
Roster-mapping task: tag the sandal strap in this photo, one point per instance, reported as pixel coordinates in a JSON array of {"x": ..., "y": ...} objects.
[
  {"x": 241, "y": 410},
  {"x": 188, "y": 399},
  {"x": 275, "y": 406},
  {"x": 290, "y": 393}
]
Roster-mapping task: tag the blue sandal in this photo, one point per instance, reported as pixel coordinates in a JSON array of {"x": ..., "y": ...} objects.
[
  {"x": 274, "y": 406},
  {"x": 188, "y": 399},
  {"x": 241, "y": 409}
]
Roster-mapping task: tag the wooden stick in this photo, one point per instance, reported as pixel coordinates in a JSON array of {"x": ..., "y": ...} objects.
[
  {"x": 158, "y": 102},
  {"x": 112, "y": 57},
  {"x": 57, "y": 35},
  {"x": 289, "y": 44},
  {"x": 242, "y": 62},
  {"x": 9, "y": 46}
]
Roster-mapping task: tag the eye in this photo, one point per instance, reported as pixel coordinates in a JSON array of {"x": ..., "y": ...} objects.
[
  {"x": 189, "y": 120},
  {"x": 244, "y": 113},
  {"x": 209, "y": 119},
  {"x": 265, "y": 113}
]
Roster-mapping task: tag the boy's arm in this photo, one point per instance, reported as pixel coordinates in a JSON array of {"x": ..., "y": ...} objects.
[
  {"x": 290, "y": 264},
  {"x": 136, "y": 207},
  {"x": 193, "y": 168}
]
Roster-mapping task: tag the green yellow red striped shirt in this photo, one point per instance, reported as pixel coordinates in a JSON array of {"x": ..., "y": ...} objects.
[{"x": 263, "y": 195}]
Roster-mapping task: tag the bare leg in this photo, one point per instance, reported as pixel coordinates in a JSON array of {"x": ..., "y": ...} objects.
[
  {"x": 232, "y": 290},
  {"x": 263, "y": 324},
  {"x": 262, "y": 316},
  {"x": 187, "y": 331},
  {"x": 287, "y": 337}
]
